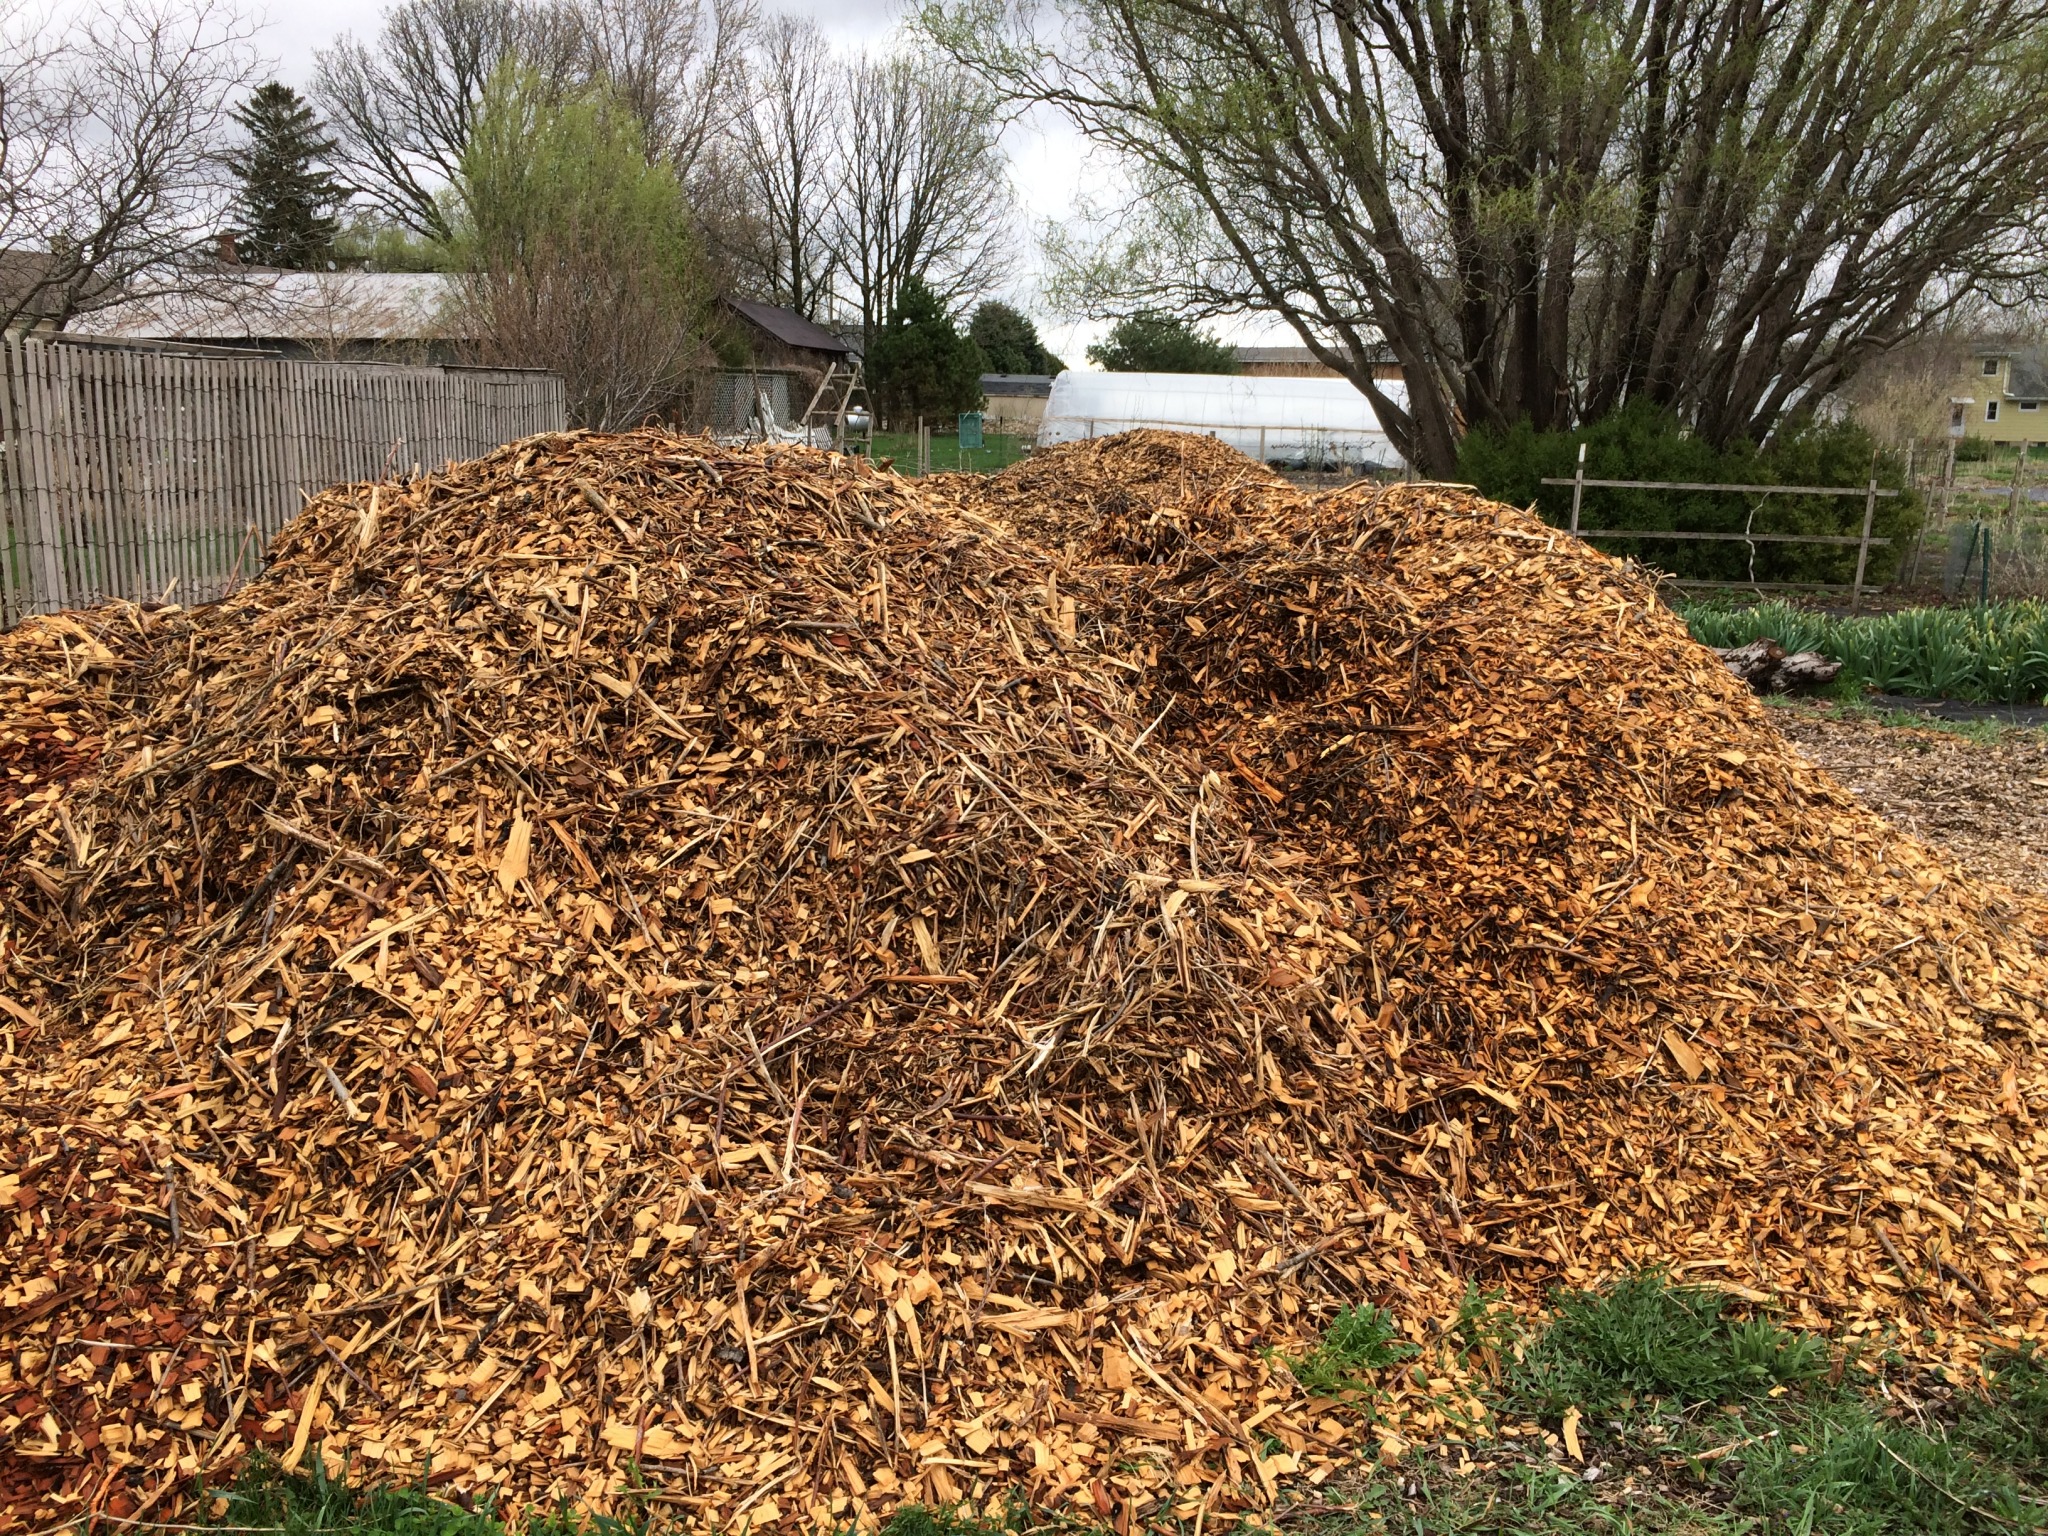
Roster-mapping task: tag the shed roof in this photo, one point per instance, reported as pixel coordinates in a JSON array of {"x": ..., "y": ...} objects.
[
  {"x": 1297, "y": 356},
  {"x": 1015, "y": 386},
  {"x": 787, "y": 326}
]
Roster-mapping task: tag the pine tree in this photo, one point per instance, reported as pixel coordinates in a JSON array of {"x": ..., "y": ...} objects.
[
  {"x": 1155, "y": 343},
  {"x": 921, "y": 365},
  {"x": 1009, "y": 341},
  {"x": 288, "y": 199}
]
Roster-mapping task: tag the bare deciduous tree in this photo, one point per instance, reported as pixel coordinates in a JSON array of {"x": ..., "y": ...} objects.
[
  {"x": 110, "y": 142},
  {"x": 1724, "y": 207},
  {"x": 925, "y": 191},
  {"x": 404, "y": 107},
  {"x": 679, "y": 64},
  {"x": 787, "y": 158}
]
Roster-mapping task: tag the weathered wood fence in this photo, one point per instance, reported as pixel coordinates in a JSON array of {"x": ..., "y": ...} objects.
[
  {"x": 161, "y": 474},
  {"x": 1862, "y": 544}
]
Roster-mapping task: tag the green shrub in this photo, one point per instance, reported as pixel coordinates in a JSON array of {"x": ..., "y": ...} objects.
[
  {"x": 1639, "y": 442},
  {"x": 1997, "y": 654}
]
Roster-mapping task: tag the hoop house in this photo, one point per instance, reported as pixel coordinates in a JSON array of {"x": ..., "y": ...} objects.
[{"x": 1288, "y": 422}]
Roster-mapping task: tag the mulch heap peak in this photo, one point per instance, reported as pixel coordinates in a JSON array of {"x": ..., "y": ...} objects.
[{"x": 844, "y": 991}]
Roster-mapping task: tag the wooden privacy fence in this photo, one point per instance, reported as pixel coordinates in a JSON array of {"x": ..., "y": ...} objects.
[{"x": 162, "y": 474}]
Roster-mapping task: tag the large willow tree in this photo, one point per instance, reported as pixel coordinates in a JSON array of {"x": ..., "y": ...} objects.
[{"x": 1549, "y": 209}]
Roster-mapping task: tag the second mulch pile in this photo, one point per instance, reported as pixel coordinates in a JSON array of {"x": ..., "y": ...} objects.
[{"x": 844, "y": 991}]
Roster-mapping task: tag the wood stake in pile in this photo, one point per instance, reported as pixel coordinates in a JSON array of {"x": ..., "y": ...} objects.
[{"x": 843, "y": 991}]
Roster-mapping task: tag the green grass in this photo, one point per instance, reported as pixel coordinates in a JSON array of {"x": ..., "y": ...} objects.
[
  {"x": 996, "y": 453},
  {"x": 267, "y": 1498},
  {"x": 1693, "y": 1416},
  {"x": 1648, "y": 1339},
  {"x": 1693, "y": 1419},
  {"x": 1997, "y": 654}
]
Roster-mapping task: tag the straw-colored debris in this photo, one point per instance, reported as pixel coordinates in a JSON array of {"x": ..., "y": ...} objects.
[{"x": 635, "y": 951}]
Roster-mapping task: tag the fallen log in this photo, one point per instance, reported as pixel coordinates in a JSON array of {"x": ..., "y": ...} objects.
[{"x": 1768, "y": 668}]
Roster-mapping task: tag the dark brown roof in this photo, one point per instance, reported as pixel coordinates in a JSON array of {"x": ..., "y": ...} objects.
[
  {"x": 26, "y": 277},
  {"x": 787, "y": 326}
]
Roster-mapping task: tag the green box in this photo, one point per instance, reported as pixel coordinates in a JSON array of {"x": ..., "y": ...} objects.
[{"x": 970, "y": 429}]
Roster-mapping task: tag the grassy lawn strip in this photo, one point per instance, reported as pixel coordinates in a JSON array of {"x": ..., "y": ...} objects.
[
  {"x": 1690, "y": 1419},
  {"x": 1992, "y": 655},
  {"x": 996, "y": 452},
  {"x": 1646, "y": 1408}
]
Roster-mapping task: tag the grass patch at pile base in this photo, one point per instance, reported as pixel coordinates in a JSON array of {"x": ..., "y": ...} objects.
[
  {"x": 1647, "y": 1409},
  {"x": 1648, "y": 1339},
  {"x": 1985, "y": 732},
  {"x": 267, "y": 1498},
  {"x": 1653, "y": 1407}
]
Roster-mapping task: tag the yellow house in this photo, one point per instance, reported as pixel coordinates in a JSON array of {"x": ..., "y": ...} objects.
[{"x": 2002, "y": 396}]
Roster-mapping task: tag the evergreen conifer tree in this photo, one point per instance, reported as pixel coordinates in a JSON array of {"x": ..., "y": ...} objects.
[
  {"x": 1156, "y": 343},
  {"x": 288, "y": 199},
  {"x": 921, "y": 365},
  {"x": 1009, "y": 341}
]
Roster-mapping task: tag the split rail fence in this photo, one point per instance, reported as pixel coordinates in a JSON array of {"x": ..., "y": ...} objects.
[
  {"x": 162, "y": 474},
  {"x": 1863, "y": 544}
]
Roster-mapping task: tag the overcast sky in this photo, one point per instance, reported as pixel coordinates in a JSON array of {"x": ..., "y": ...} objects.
[{"x": 1048, "y": 164}]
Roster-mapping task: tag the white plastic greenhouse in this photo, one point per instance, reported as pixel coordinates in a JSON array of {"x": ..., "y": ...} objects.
[{"x": 1291, "y": 422}]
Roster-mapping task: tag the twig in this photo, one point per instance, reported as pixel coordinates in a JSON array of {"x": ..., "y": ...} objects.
[{"x": 1960, "y": 1503}]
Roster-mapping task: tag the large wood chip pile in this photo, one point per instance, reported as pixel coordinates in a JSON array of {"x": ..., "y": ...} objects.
[{"x": 843, "y": 991}]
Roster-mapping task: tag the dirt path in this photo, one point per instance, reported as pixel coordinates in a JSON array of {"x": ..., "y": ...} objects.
[{"x": 1985, "y": 804}]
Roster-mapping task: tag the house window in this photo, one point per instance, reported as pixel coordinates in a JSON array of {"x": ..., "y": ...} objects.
[
  {"x": 1991, "y": 410},
  {"x": 1990, "y": 367},
  {"x": 2030, "y": 405}
]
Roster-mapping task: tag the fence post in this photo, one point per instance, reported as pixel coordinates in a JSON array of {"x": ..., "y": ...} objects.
[
  {"x": 1863, "y": 545},
  {"x": 1578, "y": 488},
  {"x": 1984, "y": 569},
  {"x": 2012, "y": 501}
]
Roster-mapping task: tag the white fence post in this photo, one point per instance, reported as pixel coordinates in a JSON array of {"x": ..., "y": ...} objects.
[{"x": 1578, "y": 488}]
